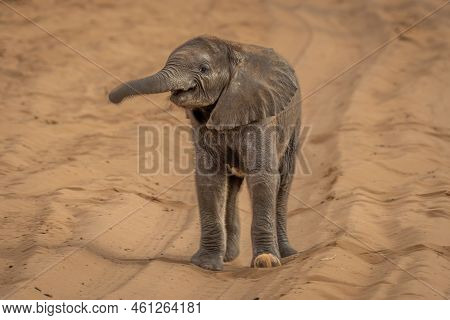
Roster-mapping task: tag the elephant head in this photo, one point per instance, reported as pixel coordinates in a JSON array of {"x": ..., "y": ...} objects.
[{"x": 242, "y": 83}]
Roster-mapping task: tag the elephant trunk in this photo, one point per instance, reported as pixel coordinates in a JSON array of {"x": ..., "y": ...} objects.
[{"x": 156, "y": 83}]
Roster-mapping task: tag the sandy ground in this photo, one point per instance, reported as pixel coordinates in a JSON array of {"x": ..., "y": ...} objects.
[{"x": 77, "y": 221}]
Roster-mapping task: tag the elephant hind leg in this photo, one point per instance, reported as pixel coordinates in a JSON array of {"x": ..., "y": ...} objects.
[
  {"x": 287, "y": 170},
  {"x": 266, "y": 260},
  {"x": 232, "y": 224}
]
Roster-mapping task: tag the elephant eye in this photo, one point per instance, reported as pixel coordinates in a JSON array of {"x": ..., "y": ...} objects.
[{"x": 204, "y": 68}]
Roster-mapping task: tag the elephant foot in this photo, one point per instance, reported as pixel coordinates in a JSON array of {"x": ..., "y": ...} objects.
[
  {"x": 208, "y": 261},
  {"x": 232, "y": 251},
  {"x": 286, "y": 250},
  {"x": 266, "y": 260}
]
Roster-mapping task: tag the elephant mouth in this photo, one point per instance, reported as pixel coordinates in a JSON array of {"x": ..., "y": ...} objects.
[{"x": 180, "y": 92}]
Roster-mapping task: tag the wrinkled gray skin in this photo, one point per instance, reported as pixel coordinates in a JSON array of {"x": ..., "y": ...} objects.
[{"x": 234, "y": 95}]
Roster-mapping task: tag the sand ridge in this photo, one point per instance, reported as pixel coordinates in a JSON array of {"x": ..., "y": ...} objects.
[{"x": 378, "y": 152}]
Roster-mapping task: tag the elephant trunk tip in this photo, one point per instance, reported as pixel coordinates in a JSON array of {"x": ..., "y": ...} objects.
[{"x": 115, "y": 96}]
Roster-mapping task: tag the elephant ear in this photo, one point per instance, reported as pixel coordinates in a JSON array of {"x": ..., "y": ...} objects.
[{"x": 261, "y": 85}]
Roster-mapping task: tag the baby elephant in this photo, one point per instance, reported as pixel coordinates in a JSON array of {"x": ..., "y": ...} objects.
[{"x": 243, "y": 102}]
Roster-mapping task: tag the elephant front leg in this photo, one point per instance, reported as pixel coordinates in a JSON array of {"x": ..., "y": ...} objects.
[
  {"x": 264, "y": 235},
  {"x": 211, "y": 193},
  {"x": 287, "y": 170},
  {"x": 232, "y": 224}
]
